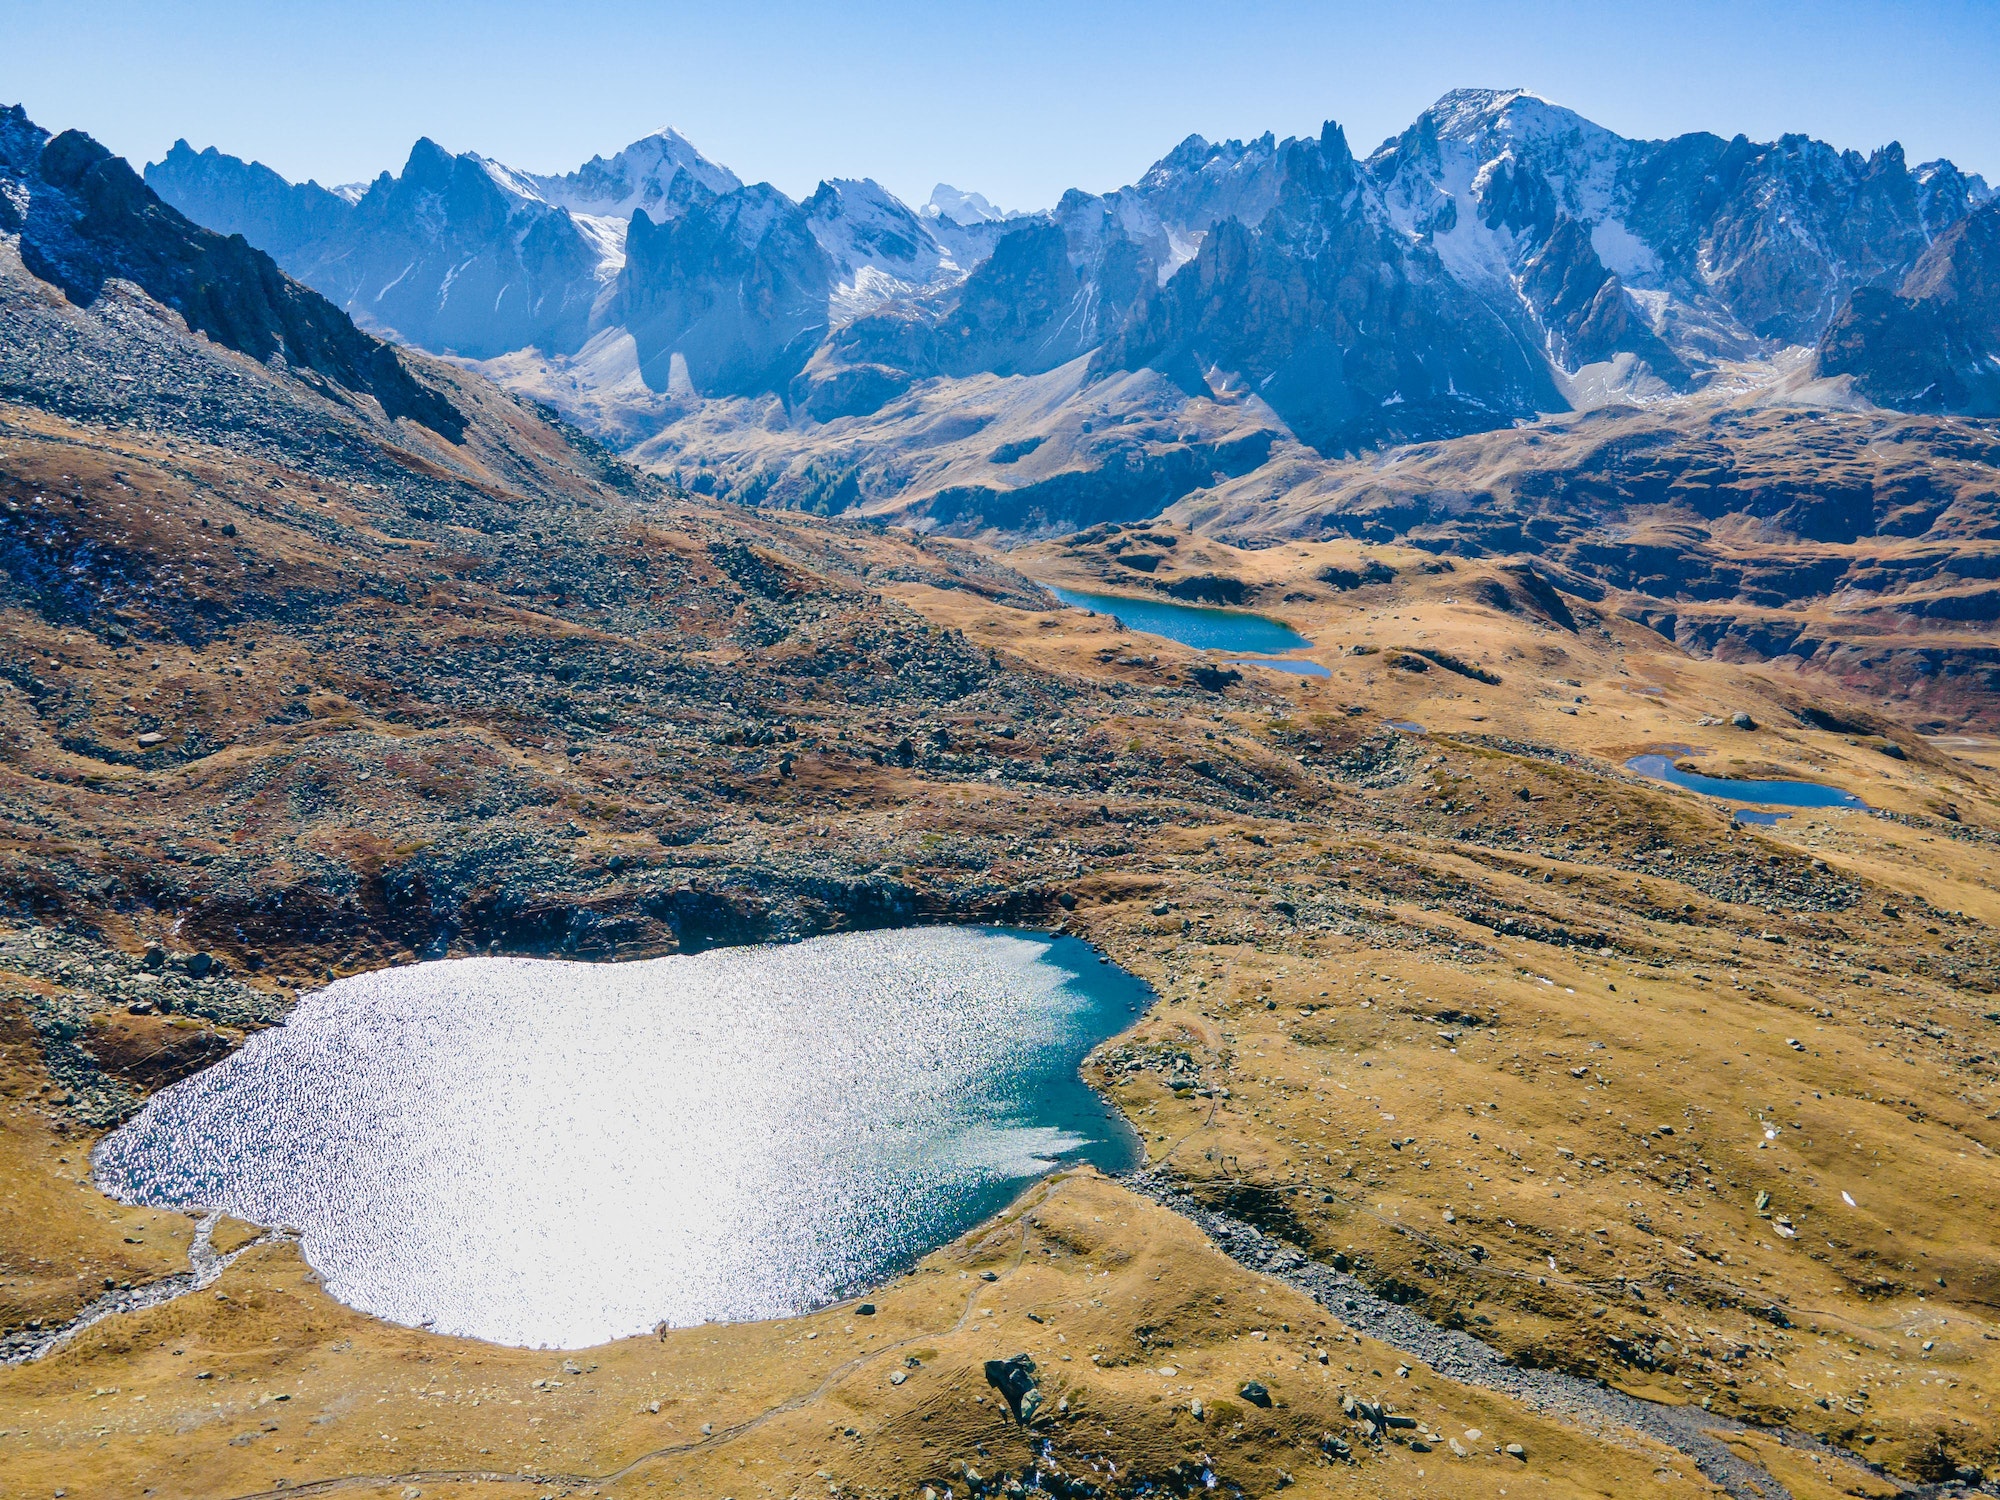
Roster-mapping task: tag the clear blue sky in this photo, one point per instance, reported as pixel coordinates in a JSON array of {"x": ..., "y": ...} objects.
[{"x": 1018, "y": 100}]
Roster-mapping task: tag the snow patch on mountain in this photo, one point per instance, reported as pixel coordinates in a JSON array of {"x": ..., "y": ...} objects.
[
  {"x": 1624, "y": 254},
  {"x": 948, "y": 202},
  {"x": 880, "y": 250}
]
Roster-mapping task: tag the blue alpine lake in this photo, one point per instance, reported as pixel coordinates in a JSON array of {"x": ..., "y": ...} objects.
[
  {"x": 1194, "y": 625},
  {"x": 1297, "y": 667},
  {"x": 555, "y": 1154},
  {"x": 1772, "y": 793}
]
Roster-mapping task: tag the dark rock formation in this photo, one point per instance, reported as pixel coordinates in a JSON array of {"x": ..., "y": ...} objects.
[
  {"x": 86, "y": 219},
  {"x": 1047, "y": 294},
  {"x": 1933, "y": 344},
  {"x": 1585, "y": 308},
  {"x": 736, "y": 287},
  {"x": 1352, "y": 334}
]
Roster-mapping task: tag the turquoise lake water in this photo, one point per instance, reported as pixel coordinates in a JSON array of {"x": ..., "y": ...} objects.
[
  {"x": 556, "y": 1154},
  {"x": 1193, "y": 625},
  {"x": 1296, "y": 668},
  {"x": 1771, "y": 793}
]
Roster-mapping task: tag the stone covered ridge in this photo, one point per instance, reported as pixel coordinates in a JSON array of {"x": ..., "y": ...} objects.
[{"x": 84, "y": 219}]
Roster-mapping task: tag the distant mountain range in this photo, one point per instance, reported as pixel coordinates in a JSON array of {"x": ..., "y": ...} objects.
[
  {"x": 1502, "y": 257},
  {"x": 1821, "y": 506}
]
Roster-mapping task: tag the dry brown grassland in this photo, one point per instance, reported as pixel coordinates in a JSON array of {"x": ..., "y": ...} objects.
[{"x": 1542, "y": 1049}]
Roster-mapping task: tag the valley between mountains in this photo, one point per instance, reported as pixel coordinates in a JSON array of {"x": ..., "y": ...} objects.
[{"x": 322, "y": 653}]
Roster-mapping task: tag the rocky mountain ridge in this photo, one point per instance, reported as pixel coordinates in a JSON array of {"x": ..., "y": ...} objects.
[
  {"x": 85, "y": 220},
  {"x": 1283, "y": 340},
  {"x": 1932, "y": 344},
  {"x": 1560, "y": 264}
]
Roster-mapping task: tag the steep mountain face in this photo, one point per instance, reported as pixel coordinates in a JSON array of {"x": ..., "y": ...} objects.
[
  {"x": 1778, "y": 235},
  {"x": 465, "y": 256},
  {"x": 1711, "y": 248},
  {"x": 458, "y": 248},
  {"x": 878, "y": 248},
  {"x": 1024, "y": 294},
  {"x": 248, "y": 198},
  {"x": 84, "y": 219},
  {"x": 1933, "y": 344},
  {"x": 1352, "y": 333},
  {"x": 1200, "y": 184},
  {"x": 1586, "y": 312},
  {"x": 457, "y": 254},
  {"x": 1501, "y": 258},
  {"x": 729, "y": 299},
  {"x": 659, "y": 176},
  {"x": 1042, "y": 298}
]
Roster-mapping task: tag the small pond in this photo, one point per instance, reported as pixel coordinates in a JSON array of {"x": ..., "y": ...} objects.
[
  {"x": 1192, "y": 625},
  {"x": 557, "y": 1154},
  {"x": 1296, "y": 666},
  {"x": 1772, "y": 793}
]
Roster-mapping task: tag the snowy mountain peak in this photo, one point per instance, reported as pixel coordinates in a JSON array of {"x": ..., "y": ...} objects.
[
  {"x": 659, "y": 174},
  {"x": 858, "y": 218},
  {"x": 880, "y": 250},
  {"x": 1493, "y": 121},
  {"x": 1464, "y": 114},
  {"x": 948, "y": 202}
]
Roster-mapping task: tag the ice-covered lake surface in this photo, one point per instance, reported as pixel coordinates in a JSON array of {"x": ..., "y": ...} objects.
[{"x": 557, "y": 1154}]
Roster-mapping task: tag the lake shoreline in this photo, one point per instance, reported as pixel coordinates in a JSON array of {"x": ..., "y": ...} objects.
[{"x": 976, "y": 1139}]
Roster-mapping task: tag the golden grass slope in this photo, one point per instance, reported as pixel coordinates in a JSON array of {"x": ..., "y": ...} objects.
[{"x": 1536, "y": 1046}]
